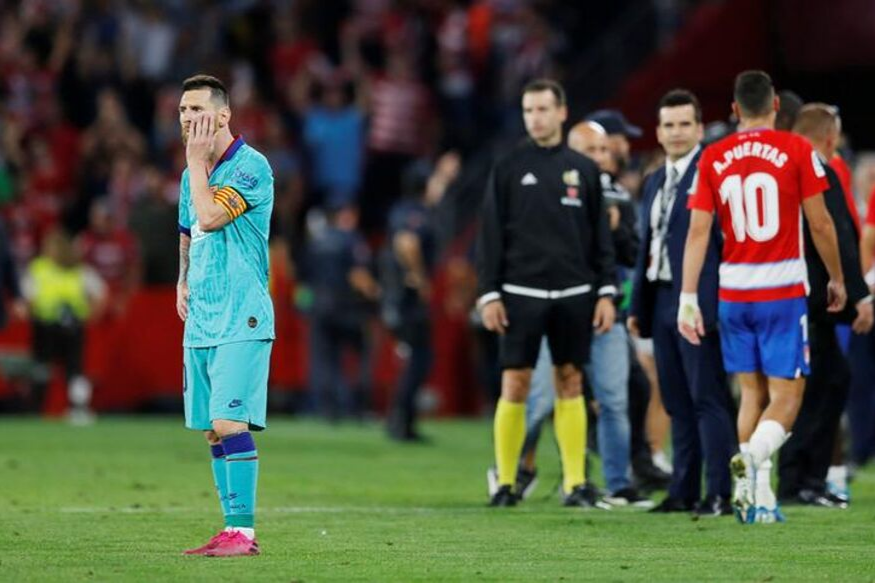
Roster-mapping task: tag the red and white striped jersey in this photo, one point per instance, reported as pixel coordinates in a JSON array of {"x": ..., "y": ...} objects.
[{"x": 755, "y": 181}]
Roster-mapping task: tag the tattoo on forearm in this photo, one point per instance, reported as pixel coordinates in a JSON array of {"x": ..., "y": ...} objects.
[{"x": 184, "y": 244}]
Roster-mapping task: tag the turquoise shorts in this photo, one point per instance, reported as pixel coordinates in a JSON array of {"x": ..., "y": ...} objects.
[{"x": 228, "y": 381}]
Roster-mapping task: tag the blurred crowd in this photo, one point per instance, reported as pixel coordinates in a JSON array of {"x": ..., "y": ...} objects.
[
  {"x": 354, "y": 102},
  {"x": 379, "y": 118}
]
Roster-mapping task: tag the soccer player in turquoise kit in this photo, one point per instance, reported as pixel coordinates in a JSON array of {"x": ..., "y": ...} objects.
[{"x": 225, "y": 202}]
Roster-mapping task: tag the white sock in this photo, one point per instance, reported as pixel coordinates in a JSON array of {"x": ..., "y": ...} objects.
[
  {"x": 838, "y": 475},
  {"x": 768, "y": 438},
  {"x": 764, "y": 496},
  {"x": 248, "y": 532}
]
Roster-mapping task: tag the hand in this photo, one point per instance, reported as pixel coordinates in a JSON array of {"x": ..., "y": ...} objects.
[
  {"x": 495, "y": 317},
  {"x": 201, "y": 139},
  {"x": 836, "y": 296},
  {"x": 632, "y": 325},
  {"x": 613, "y": 217},
  {"x": 863, "y": 322},
  {"x": 605, "y": 315},
  {"x": 690, "y": 323},
  {"x": 182, "y": 300}
]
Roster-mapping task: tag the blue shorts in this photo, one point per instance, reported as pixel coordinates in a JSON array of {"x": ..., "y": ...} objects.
[
  {"x": 767, "y": 337},
  {"x": 228, "y": 381}
]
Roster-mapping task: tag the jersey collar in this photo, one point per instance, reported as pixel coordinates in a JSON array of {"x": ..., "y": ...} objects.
[{"x": 229, "y": 152}]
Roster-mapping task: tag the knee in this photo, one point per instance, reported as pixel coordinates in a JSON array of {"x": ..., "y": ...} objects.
[
  {"x": 613, "y": 401},
  {"x": 515, "y": 385},
  {"x": 225, "y": 427},
  {"x": 569, "y": 382},
  {"x": 212, "y": 437}
]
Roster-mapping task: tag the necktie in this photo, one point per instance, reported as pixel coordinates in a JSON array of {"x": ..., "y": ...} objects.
[{"x": 669, "y": 193}]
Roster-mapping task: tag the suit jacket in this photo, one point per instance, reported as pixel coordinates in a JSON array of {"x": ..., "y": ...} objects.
[
  {"x": 849, "y": 250},
  {"x": 643, "y": 290}
]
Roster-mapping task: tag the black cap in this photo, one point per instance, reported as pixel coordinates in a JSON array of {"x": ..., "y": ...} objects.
[{"x": 614, "y": 122}]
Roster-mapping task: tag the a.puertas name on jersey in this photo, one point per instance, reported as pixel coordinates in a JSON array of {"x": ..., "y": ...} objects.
[{"x": 766, "y": 152}]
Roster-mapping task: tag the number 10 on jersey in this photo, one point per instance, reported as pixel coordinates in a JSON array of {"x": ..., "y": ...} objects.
[{"x": 753, "y": 205}]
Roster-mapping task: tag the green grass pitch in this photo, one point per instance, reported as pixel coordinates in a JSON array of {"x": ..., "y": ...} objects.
[{"x": 118, "y": 501}]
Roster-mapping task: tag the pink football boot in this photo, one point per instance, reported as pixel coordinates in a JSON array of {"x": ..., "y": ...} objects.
[{"x": 233, "y": 544}]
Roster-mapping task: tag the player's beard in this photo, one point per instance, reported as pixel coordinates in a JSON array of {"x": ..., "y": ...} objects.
[{"x": 184, "y": 135}]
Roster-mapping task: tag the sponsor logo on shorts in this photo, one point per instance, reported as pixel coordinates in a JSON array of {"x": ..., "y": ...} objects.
[{"x": 235, "y": 403}]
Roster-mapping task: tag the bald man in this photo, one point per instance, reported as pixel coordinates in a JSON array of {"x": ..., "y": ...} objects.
[
  {"x": 804, "y": 460},
  {"x": 591, "y": 139}
]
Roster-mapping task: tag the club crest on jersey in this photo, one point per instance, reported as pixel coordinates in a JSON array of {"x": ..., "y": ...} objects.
[{"x": 571, "y": 178}]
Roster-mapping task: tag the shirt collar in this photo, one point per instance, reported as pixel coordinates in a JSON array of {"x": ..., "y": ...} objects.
[
  {"x": 682, "y": 164},
  {"x": 229, "y": 151}
]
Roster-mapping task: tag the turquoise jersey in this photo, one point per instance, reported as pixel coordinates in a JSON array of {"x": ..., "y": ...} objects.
[{"x": 228, "y": 268}]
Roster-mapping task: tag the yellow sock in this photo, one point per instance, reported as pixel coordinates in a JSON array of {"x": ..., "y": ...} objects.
[
  {"x": 510, "y": 433},
  {"x": 569, "y": 423}
]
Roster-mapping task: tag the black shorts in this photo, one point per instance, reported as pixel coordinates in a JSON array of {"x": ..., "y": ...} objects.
[{"x": 567, "y": 323}]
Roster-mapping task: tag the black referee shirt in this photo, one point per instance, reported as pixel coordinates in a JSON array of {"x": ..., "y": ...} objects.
[{"x": 544, "y": 223}]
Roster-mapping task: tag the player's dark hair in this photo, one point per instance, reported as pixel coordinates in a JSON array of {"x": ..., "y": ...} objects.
[
  {"x": 218, "y": 92},
  {"x": 539, "y": 85},
  {"x": 679, "y": 97},
  {"x": 754, "y": 93}
]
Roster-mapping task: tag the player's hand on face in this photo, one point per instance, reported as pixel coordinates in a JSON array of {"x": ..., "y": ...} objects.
[
  {"x": 495, "y": 317},
  {"x": 182, "y": 301},
  {"x": 865, "y": 318},
  {"x": 201, "y": 138},
  {"x": 836, "y": 296},
  {"x": 604, "y": 316}
]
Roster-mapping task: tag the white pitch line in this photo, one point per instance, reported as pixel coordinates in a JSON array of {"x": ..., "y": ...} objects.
[{"x": 274, "y": 510}]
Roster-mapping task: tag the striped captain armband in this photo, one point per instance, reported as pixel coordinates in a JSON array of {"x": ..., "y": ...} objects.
[{"x": 234, "y": 204}]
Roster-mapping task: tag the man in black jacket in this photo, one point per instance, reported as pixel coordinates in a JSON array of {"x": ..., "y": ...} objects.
[
  {"x": 544, "y": 253},
  {"x": 805, "y": 458}
]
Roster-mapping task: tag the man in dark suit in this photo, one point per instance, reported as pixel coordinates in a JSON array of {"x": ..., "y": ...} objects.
[
  {"x": 805, "y": 458},
  {"x": 692, "y": 378}
]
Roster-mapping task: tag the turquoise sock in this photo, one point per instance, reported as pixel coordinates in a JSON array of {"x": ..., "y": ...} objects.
[
  {"x": 220, "y": 478},
  {"x": 241, "y": 467}
]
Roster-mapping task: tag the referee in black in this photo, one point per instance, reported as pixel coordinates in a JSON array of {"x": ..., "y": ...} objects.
[{"x": 545, "y": 263}]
